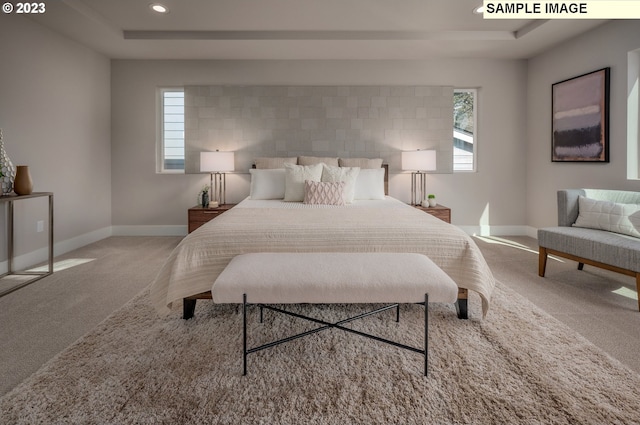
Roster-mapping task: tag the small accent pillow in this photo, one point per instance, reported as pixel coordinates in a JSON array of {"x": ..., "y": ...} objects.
[
  {"x": 267, "y": 184},
  {"x": 348, "y": 175},
  {"x": 360, "y": 162},
  {"x": 268, "y": 163},
  {"x": 324, "y": 193},
  {"x": 610, "y": 216},
  {"x": 295, "y": 175},
  {"x": 313, "y": 160},
  {"x": 370, "y": 184}
]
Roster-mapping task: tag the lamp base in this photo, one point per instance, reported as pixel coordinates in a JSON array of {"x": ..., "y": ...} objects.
[
  {"x": 418, "y": 187},
  {"x": 218, "y": 189}
]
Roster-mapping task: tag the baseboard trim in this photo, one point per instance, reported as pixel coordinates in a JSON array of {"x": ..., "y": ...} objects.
[
  {"x": 30, "y": 259},
  {"x": 79, "y": 241},
  {"x": 532, "y": 232},
  {"x": 133, "y": 230}
]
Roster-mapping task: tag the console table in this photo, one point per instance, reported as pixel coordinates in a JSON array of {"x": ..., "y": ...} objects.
[{"x": 10, "y": 200}]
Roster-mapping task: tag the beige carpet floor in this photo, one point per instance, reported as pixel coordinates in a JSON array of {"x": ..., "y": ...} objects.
[
  {"x": 518, "y": 366},
  {"x": 40, "y": 320}
]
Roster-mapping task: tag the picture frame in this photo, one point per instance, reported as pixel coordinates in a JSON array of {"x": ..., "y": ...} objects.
[{"x": 580, "y": 118}]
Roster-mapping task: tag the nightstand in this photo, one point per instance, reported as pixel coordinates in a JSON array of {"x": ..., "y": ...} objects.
[
  {"x": 439, "y": 211},
  {"x": 199, "y": 215}
]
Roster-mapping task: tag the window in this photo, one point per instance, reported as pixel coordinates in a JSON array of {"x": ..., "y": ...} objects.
[
  {"x": 464, "y": 125},
  {"x": 171, "y": 151},
  {"x": 633, "y": 115}
]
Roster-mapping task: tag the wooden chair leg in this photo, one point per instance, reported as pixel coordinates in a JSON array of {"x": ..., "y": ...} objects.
[{"x": 542, "y": 261}]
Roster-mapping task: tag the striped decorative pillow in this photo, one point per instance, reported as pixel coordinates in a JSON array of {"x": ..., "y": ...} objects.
[{"x": 324, "y": 193}]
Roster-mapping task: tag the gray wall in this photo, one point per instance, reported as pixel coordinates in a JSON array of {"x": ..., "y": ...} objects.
[
  {"x": 493, "y": 196},
  {"x": 605, "y": 46},
  {"x": 345, "y": 121},
  {"x": 54, "y": 112}
]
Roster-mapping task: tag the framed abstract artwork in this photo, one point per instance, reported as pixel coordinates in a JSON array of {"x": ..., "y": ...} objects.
[{"x": 580, "y": 121}]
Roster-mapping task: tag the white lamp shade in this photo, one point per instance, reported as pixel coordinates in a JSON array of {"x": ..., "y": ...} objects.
[
  {"x": 419, "y": 160},
  {"x": 216, "y": 162}
]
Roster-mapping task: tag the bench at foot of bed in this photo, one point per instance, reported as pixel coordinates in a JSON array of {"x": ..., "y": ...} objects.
[
  {"x": 189, "y": 304},
  {"x": 266, "y": 279}
]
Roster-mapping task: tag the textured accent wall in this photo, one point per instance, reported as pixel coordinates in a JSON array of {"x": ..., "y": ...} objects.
[{"x": 345, "y": 121}]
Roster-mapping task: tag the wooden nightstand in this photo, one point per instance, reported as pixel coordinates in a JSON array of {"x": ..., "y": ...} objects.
[
  {"x": 439, "y": 211},
  {"x": 199, "y": 215}
]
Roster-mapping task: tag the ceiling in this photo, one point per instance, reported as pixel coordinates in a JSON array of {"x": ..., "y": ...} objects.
[{"x": 302, "y": 29}]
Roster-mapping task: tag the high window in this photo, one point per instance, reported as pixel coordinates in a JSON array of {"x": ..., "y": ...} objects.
[
  {"x": 464, "y": 130},
  {"x": 633, "y": 115},
  {"x": 171, "y": 149}
]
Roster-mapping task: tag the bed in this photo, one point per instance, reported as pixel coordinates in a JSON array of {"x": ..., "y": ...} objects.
[{"x": 274, "y": 225}]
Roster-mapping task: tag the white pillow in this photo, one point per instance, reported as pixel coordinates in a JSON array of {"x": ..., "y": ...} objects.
[
  {"x": 610, "y": 216},
  {"x": 267, "y": 184},
  {"x": 348, "y": 175},
  {"x": 295, "y": 175},
  {"x": 370, "y": 184}
]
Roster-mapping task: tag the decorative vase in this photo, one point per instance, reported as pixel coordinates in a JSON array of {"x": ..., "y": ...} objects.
[
  {"x": 23, "y": 185},
  {"x": 205, "y": 199},
  {"x": 432, "y": 202},
  {"x": 7, "y": 170}
]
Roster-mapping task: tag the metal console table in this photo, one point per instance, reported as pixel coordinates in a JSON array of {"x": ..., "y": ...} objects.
[{"x": 10, "y": 199}]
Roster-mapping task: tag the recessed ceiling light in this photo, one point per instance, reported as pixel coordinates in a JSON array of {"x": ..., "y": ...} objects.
[{"x": 157, "y": 7}]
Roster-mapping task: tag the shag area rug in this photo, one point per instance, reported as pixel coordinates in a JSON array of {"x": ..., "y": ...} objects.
[{"x": 517, "y": 366}]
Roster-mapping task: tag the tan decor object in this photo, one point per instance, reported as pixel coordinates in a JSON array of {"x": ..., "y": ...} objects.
[{"x": 23, "y": 185}]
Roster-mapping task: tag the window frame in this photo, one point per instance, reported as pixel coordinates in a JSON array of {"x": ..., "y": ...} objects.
[
  {"x": 633, "y": 115},
  {"x": 474, "y": 166},
  {"x": 160, "y": 145}
]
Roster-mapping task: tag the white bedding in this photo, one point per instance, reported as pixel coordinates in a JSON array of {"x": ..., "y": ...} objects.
[{"x": 277, "y": 226}]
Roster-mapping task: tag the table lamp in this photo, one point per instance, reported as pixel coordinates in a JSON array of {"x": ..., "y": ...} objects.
[
  {"x": 217, "y": 163},
  {"x": 419, "y": 162}
]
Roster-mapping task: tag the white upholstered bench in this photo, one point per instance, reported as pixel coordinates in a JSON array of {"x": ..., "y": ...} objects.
[{"x": 323, "y": 278}]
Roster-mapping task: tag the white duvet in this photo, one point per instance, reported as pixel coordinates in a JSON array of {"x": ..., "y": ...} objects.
[{"x": 277, "y": 226}]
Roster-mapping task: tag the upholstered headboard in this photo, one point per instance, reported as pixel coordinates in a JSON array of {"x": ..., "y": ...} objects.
[{"x": 386, "y": 177}]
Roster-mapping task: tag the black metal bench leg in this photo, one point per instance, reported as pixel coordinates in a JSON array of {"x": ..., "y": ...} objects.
[
  {"x": 244, "y": 334},
  {"x": 188, "y": 308},
  {"x": 580, "y": 266},
  {"x": 426, "y": 334},
  {"x": 328, "y": 325},
  {"x": 462, "y": 308}
]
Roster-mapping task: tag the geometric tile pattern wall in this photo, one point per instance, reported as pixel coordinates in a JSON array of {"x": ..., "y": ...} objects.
[{"x": 345, "y": 121}]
